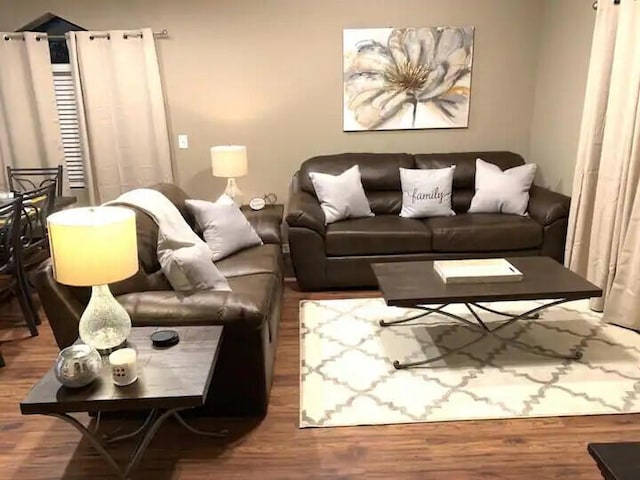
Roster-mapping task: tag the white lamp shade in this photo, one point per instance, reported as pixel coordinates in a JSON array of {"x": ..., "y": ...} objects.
[
  {"x": 229, "y": 161},
  {"x": 93, "y": 245}
]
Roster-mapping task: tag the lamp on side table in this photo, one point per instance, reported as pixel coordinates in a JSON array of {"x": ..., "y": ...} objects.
[
  {"x": 230, "y": 161},
  {"x": 95, "y": 246}
]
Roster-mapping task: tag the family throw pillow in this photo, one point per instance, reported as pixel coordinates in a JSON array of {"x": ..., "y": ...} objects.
[
  {"x": 189, "y": 267},
  {"x": 341, "y": 196},
  {"x": 502, "y": 192},
  {"x": 426, "y": 192},
  {"x": 224, "y": 227}
]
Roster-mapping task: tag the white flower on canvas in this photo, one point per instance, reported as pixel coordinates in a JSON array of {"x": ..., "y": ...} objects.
[{"x": 407, "y": 78}]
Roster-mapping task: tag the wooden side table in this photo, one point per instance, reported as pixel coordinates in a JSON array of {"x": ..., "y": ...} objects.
[
  {"x": 170, "y": 380},
  {"x": 274, "y": 211}
]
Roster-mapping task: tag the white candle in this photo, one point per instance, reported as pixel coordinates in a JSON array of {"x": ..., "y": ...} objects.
[{"x": 123, "y": 366}]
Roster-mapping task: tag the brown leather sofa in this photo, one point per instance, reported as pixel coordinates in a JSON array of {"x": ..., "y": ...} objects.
[
  {"x": 250, "y": 313},
  {"x": 339, "y": 255}
]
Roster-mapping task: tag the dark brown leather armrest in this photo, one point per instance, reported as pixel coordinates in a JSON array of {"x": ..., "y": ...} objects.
[
  {"x": 62, "y": 308},
  {"x": 304, "y": 211},
  {"x": 266, "y": 222},
  {"x": 546, "y": 207},
  {"x": 199, "y": 308}
]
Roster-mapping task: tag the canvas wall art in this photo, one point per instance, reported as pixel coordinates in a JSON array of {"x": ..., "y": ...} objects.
[{"x": 407, "y": 78}]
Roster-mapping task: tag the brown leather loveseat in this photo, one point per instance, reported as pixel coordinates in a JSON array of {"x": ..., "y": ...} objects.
[
  {"x": 339, "y": 255},
  {"x": 250, "y": 313}
]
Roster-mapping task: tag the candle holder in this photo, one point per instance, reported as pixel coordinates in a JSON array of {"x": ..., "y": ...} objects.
[{"x": 124, "y": 369}]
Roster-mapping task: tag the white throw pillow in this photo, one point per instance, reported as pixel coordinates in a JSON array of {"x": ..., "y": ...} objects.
[
  {"x": 426, "y": 192},
  {"x": 341, "y": 196},
  {"x": 502, "y": 192},
  {"x": 189, "y": 267},
  {"x": 224, "y": 227}
]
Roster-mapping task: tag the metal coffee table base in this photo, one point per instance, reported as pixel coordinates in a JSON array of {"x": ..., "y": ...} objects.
[
  {"x": 481, "y": 327},
  {"x": 147, "y": 431}
]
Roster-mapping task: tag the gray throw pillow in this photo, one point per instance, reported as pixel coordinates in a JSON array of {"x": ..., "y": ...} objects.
[
  {"x": 502, "y": 192},
  {"x": 224, "y": 227},
  {"x": 189, "y": 267},
  {"x": 341, "y": 196},
  {"x": 426, "y": 192}
]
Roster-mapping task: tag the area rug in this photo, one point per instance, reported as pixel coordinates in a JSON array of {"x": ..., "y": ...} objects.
[{"x": 347, "y": 376}]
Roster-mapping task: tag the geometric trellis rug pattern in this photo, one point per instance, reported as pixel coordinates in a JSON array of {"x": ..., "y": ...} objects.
[{"x": 347, "y": 376}]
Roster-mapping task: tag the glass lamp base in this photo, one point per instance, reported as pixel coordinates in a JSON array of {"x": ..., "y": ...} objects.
[
  {"x": 105, "y": 324},
  {"x": 233, "y": 192}
]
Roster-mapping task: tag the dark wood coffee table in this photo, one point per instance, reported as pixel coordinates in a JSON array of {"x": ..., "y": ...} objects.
[
  {"x": 617, "y": 461},
  {"x": 416, "y": 285},
  {"x": 170, "y": 380}
]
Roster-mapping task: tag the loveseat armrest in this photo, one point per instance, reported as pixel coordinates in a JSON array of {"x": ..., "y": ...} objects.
[
  {"x": 304, "y": 211},
  {"x": 546, "y": 206},
  {"x": 160, "y": 308},
  {"x": 62, "y": 308},
  {"x": 267, "y": 222}
]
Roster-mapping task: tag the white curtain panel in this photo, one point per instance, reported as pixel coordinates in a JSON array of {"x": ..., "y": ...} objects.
[
  {"x": 125, "y": 132},
  {"x": 604, "y": 225},
  {"x": 29, "y": 126}
]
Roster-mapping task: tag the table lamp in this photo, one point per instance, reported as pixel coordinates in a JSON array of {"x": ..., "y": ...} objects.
[
  {"x": 95, "y": 246},
  {"x": 230, "y": 161}
]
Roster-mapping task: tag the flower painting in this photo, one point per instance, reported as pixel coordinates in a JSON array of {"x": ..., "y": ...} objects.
[{"x": 407, "y": 78}]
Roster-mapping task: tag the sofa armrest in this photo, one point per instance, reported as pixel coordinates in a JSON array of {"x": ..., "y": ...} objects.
[
  {"x": 304, "y": 211},
  {"x": 165, "y": 308},
  {"x": 266, "y": 222},
  {"x": 546, "y": 207}
]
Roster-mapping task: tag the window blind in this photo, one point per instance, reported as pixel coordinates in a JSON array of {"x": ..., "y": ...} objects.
[{"x": 69, "y": 125}]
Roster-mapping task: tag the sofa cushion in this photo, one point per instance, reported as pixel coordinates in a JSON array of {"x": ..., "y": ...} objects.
[
  {"x": 261, "y": 259},
  {"x": 385, "y": 202},
  {"x": 379, "y": 235},
  {"x": 379, "y": 171},
  {"x": 465, "y": 162},
  {"x": 484, "y": 232},
  {"x": 246, "y": 306}
]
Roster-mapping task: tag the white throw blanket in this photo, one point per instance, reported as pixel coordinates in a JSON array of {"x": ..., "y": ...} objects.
[{"x": 183, "y": 256}]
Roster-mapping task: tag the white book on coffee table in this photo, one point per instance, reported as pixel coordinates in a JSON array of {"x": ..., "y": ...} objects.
[{"x": 483, "y": 270}]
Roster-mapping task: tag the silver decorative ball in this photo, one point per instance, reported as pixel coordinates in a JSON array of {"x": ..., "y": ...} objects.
[{"x": 78, "y": 365}]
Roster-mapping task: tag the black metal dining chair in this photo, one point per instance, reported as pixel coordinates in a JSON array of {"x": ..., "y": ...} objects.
[
  {"x": 12, "y": 273},
  {"x": 27, "y": 179},
  {"x": 37, "y": 205}
]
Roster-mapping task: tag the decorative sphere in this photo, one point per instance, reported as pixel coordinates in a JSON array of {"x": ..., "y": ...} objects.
[{"x": 78, "y": 365}]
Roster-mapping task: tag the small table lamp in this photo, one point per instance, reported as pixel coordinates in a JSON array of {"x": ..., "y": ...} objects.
[
  {"x": 95, "y": 246},
  {"x": 230, "y": 161}
]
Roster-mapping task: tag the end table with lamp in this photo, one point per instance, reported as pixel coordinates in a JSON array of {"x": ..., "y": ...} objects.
[{"x": 171, "y": 380}]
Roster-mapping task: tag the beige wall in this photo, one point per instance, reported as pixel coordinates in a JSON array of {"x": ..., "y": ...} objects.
[
  {"x": 268, "y": 74},
  {"x": 563, "y": 61}
]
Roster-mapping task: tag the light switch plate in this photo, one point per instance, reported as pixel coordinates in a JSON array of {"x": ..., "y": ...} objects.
[{"x": 183, "y": 141}]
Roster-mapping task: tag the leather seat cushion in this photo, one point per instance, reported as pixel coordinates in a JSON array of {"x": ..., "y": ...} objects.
[
  {"x": 245, "y": 306},
  {"x": 379, "y": 235},
  {"x": 484, "y": 232},
  {"x": 260, "y": 259}
]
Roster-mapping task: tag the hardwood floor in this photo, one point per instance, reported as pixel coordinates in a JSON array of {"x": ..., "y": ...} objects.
[{"x": 45, "y": 448}]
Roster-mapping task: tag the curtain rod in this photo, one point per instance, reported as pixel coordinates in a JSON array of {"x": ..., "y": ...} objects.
[
  {"x": 20, "y": 35},
  {"x": 594, "y": 5}
]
